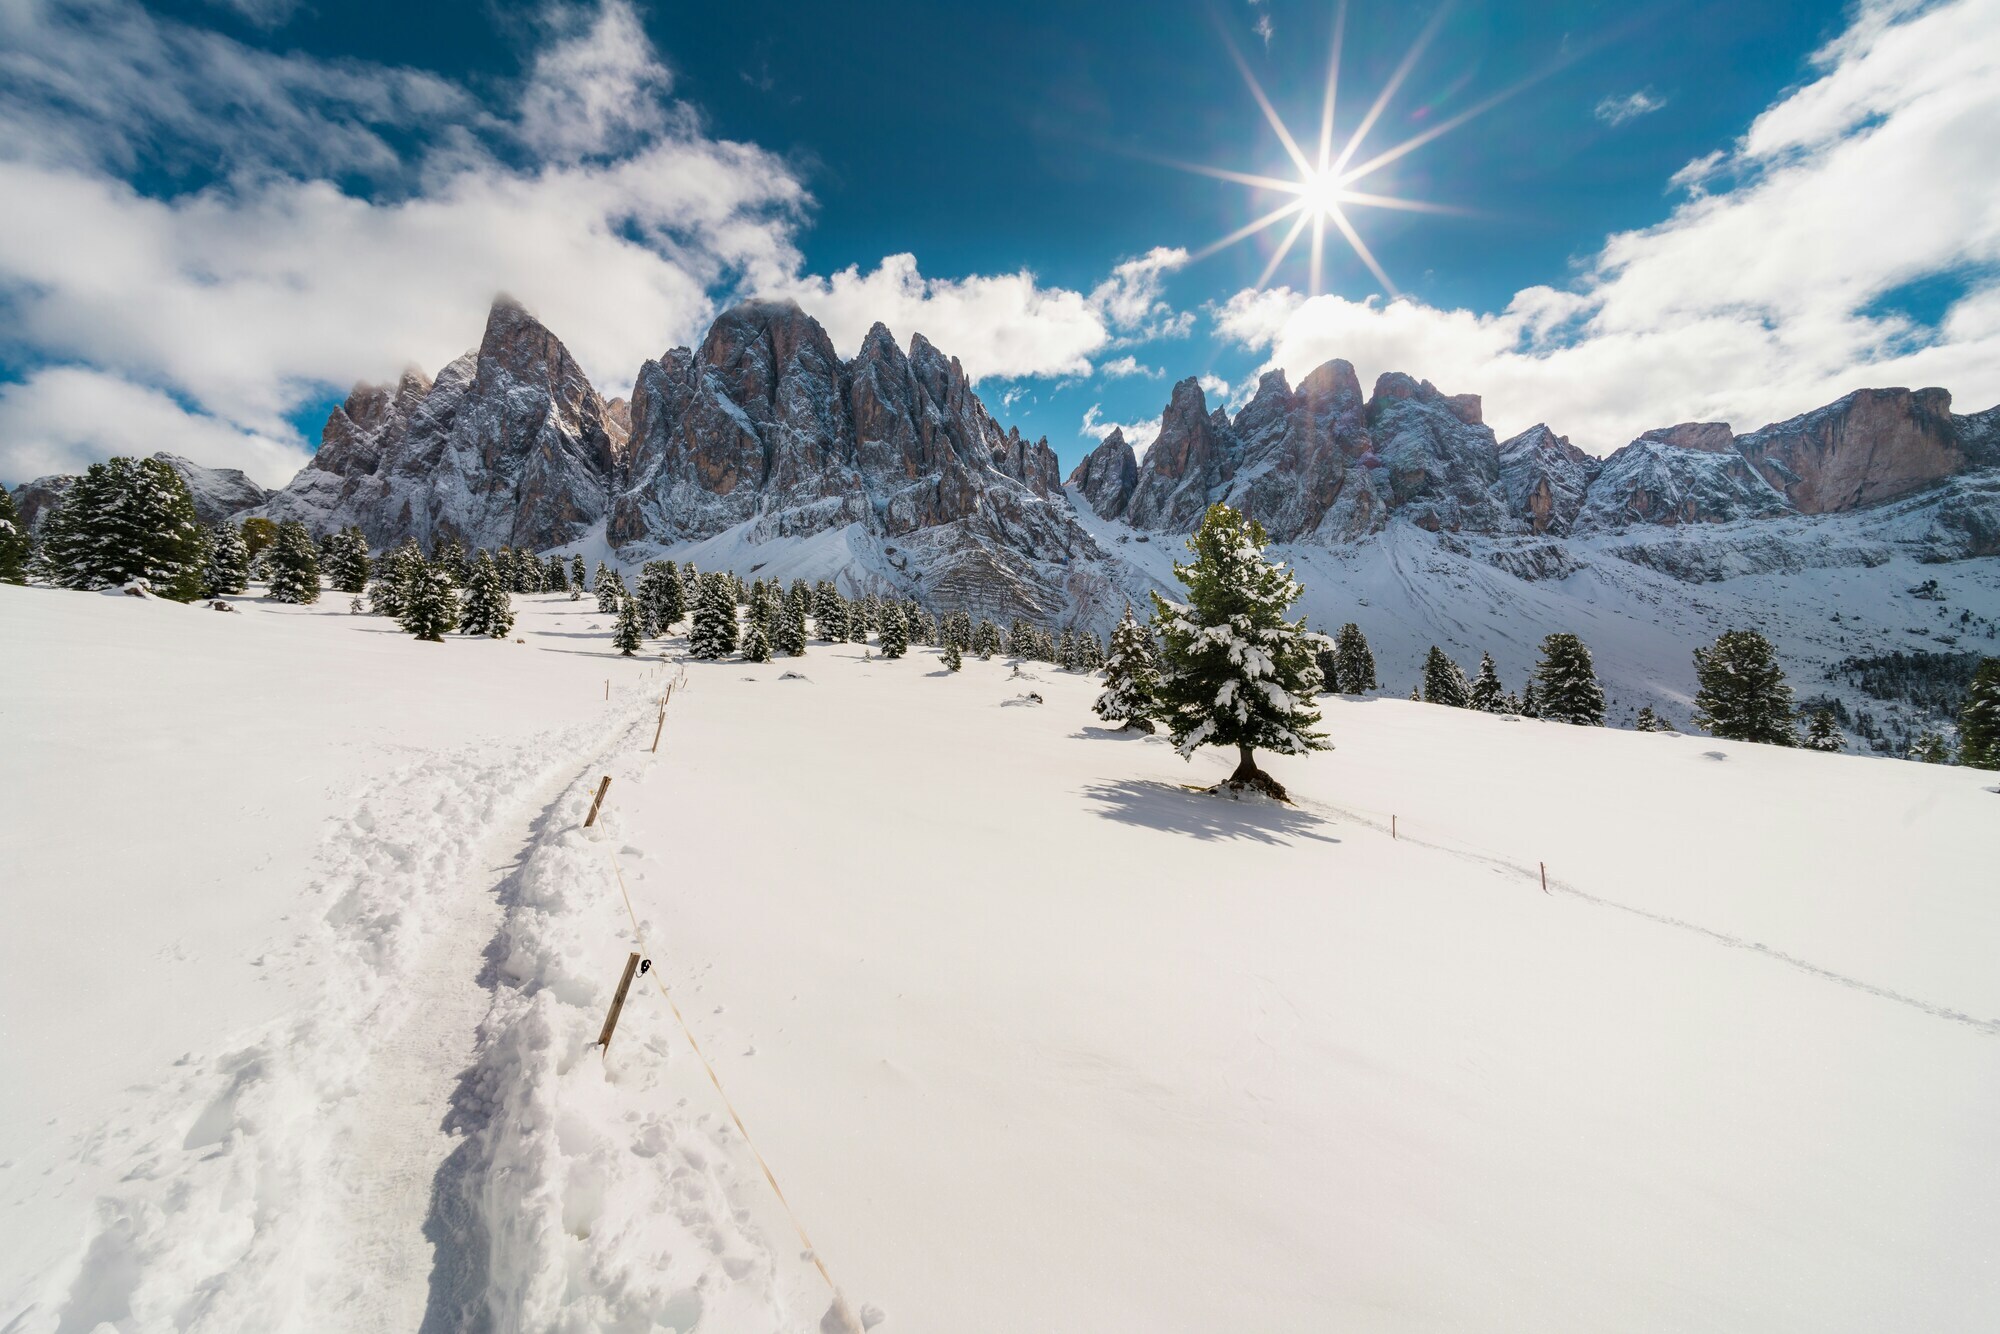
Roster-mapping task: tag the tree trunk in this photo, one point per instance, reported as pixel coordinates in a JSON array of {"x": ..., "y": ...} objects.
[{"x": 1249, "y": 776}]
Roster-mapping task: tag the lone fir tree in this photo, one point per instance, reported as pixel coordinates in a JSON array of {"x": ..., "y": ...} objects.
[
  {"x": 1131, "y": 691},
  {"x": 1743, "y": 695},
  {"x": 1488, "y": 695},
  {"x": 1353, "y": 662},
  {"x": 347, "y": 560},
  {"x": 1566, "y": 683},
  {"x": 294, "y": 565},
  {"x": 1979, "y": 719},
  {"x": 952, "y": 658},
  {"x": 1233, "y": 671},
  {"x": 895, "y": 633},
  {"x": 486, "y": 610},
  {"x": 430, "y": 603},
  {"x": 1822, "y": 732},
  {"x": 627, "y": 634},
  {"x": 1444, "y": 682}
]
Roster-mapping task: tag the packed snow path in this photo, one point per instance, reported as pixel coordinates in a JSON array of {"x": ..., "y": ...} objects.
[{"x": 1032, "y": 1035}]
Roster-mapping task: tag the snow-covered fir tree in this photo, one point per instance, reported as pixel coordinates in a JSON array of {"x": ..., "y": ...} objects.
[
  {"x": 228, "y": 562},
  {"x": 605, "y": 591},
  {"x": 985, "y": 638},
  {"x": 858, "y": 623},
  {"x": 1090, "y": 651},
  {"x": 578, "y": 579},
  {"x": 1743, "y": 695},
  {"x": 830, "y": 617},
  {"x": 1131, "y": 694},
  {"x": 1822, "y": 732},
  {"x": 628, "y": 632},
  {"x": 1233, "y": 671},
  {"x": 1066, "y": 651},
  {"x": 756, "y": 644},
  {"x": 1647, "y": 721},
  {"x": 1444, "y": 682},
  {"x": 125, "y": 520},
  {"x": 15, "y": 545},
  {"x": 293, "y": 564},
  {"x": 952, "y": 657},
  {"x": 430, "y": 602},
  {"x": 347, "y": 562},
  {"x": 486, "y": 608},
  {"x": 395, "y": 575},
  {"x": 1021, "y": 639},
  {"x": 1488, "y": 695},
  {"x": 556, "y": 579},
  {"x": 1929, "y": 747},
  {"x": 713, "y": 634},
  {"x": 790, "y": 639},
  {"x": 1531, "y": 700},
  {"x": 895, "y": 632},
  {"x": 1567, "y": 683},
  {"x": 1353, "y": 661},
  {"x": 447, "y": 555},
  {"x": 957, "y": 628},
  {"x": 659, "y": 597},
  {"x": 1979, "y": 719}
]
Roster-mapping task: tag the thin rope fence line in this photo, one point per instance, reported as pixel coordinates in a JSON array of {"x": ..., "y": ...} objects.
[{"x": 845, "y": 1313}]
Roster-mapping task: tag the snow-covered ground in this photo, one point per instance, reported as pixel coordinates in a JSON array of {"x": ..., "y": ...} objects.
[{"x": 308, "y": 944}]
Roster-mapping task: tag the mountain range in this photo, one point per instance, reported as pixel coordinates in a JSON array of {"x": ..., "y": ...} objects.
[{"x": 763, "y": 450}]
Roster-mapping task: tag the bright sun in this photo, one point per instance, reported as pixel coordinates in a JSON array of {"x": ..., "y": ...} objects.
[{"x": 1324, "y": 188}]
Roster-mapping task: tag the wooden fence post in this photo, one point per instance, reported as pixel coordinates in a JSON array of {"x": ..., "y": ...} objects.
[
  {"x": 602, "y": 788},
  {"x": 659, "y": 729},
  {"x": 618, "y": 1001},
  {"x": 1545, "y": 876},
  {"x": 1392, "y": 826}
]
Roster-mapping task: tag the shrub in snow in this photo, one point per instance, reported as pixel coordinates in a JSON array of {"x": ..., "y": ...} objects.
[
  {"x": 1566, "y": 683},
  {"x": 1130, "y": 696},
  {"x": 1979, "y": 719},
  {"x": 1233, "y": 671},
  {"x": 293, "y": 563},
  {"x": 14, "y": 543},
  {"x": 1743, "y": 695},
  {"x": 1444, "y": 683},
  {"x": 122, "y": 520}
]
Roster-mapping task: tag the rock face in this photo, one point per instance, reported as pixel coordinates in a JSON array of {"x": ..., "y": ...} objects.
[
  {"x": 1655, "y": 480},
  {"x": 219, "y": 493},
  {"x": 1106, "y": 477},
  {"x": 510, "y": 444},
  {"x": 1873, "y": 446},
  {"x": 1544, "y": 478}
]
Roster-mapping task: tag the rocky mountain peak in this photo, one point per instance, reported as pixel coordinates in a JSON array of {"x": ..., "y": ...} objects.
[
  {"x": 1709, "y": 437},
  {"x": 1107, "y": 475},
  {"x": 1872, "y": 446}
]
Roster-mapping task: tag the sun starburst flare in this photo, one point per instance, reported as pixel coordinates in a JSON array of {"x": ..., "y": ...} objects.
[{"x": 1324, "y": 188}]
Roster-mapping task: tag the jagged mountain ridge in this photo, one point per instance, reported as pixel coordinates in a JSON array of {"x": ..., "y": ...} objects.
[{"x": 219, "y": 493}]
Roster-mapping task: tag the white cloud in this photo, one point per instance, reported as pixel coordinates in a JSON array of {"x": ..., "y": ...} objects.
[
  {"x": 1127, "y": 366},
  {"x": 1615, "y": 111},
  {"x": 1754, "y": 302},
  {"x": 1139, "y": 435},
  {"x": 1131, "y": 297},
  {"x": 63, "y": 418}
]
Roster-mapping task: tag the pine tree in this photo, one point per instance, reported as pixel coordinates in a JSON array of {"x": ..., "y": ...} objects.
[
  {"x": 1130, "y": 696},
  {"x": 14, "y": 542},
  {"x": 347, "y": 561},
  {"x": 1531, "y": 700},
  {"x": 1233, "y": 671},
  {"x": 294, "y": 565},
  {"x": 487, "y": 610},
  {"x": 1487, "y": 693},
  {"x": 228, "y": 563},
  {"x": 430, "y": 603},
  {"x": 1066, "y": 650},
  {"x": 1444, "y": 682},
  {"x": 1979, "y": 719},
  {"x": 628, "y": 634},
  {"x": 1416, "y": 696},
  {"x": 577, "y": 577},
  {"x": 126, "y": 520},
  {"x": 396, "y": 575},
  {"x": 1647, "y": 721},
  {"x": 986, "y": 638},
  {"x": 659, "y": 597},
  {"x": 895, "y": 631},
  {"x": 1822, "y": 732},
  {"x": 1930, "y": 748},
  {"x": 557, "y": 578},
  {"x": 1353, "y": 662},
  {"x": 1743, "y": 695},
  {"x": 1569, "y": 691},
  {"x": 952, "y": 658},
  {"x": 858, "y": 623},
  {"x": 607, "y": 588},
  {"x": 713, "y": 634},
  {"x": 790, "y": 639},
  {"x": 756, "y": 644},
  {"x": 447, "y": 555}
]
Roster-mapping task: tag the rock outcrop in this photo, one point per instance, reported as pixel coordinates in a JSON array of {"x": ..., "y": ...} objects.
[
  {"x": 1871, "y": 447},
  {"x": 1658, "y": 479},
  {"x": 1543, "y": 479},
  {"x": 1106, "y": 477}
]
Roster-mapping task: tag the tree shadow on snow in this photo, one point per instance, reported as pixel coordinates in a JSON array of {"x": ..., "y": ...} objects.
[
  {"x": 1110, "y": 734},
  {"x": 1203, "y": 815}
]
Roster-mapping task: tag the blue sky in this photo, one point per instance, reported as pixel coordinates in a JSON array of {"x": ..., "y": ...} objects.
[{"x": 225, "y": 213}]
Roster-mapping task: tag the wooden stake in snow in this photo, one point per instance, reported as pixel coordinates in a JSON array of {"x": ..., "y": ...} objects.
[
  {"x": 607, "y": 687},
  {"x": 1392, "y": 826},
  {"x": 618, "y": 1000},
  {"x": 661, "y": 728},
  {"x": 1545, "y": 876},
  {"x": 602, "y": 788}
]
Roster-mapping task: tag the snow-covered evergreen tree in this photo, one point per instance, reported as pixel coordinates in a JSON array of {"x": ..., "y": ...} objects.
[
  {"x": 578, "y": 579},
  {"x": 659, "y": 597},
  {"x": 1353, "y": 662},
  {"x": 858, "y": 623},
  {"x": 1488, "y": 695},
  {"x": 1531, "y": 700},
  {"x": 1743, "y": 695},
  {"x": 628, "y": 633},
  {"x": 347, "y": 561},
  {"x": 1233, "y": 671},
  {"x": 293, "y": 563},
  {"x": 985, "y": 638},
  {"x": 395, "y": 575},
  {"x": 1066, "y": 651},
  {"x": 15, "y": 545},
  {"x": 790, "y": 638},
  {"x": 895, "y": 631},
  {"x": 1930, "y": 748},
  {"x": 556, "y": 578},
  {"x": 125, "y": 520},
  {"x": 952, "y": 657},
  {"x": 447, "y": 555},
  {"x": 1979, "y": 719},
  {"x": 1647, "y": 721},
  {"x": 430, "y": 603},
  {"x": 1822, "y": 732},
  {"x": 486, "y": 609},
  {"x": 756, "y": 644},
  {"x": 228, "y": 563},
  {"x": 1131, "y": 691},
  {"x": 713, "y": 634},
  {"x": 1444, "y": 682},
  {"x": 1567, "y": 683}
]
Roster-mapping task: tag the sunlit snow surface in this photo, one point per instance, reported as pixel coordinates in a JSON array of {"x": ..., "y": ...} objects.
[{"x": 306, "y": 945}]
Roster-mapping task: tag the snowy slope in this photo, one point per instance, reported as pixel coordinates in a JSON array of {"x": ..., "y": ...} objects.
[{"x": 1031, "y": 1035}]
